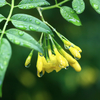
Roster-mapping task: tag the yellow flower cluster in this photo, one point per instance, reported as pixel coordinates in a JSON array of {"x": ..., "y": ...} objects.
[
  {"x": 57, "y": 60},
  {"x": 60, "y": 59}
]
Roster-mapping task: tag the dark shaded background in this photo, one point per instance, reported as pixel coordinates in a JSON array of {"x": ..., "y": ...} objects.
[{"x": 22, "y": 83}]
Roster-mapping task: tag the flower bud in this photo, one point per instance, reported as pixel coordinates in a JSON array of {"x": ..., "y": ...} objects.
[
  {"x": 67, "y": 43},
  {"x": 61, "y": 60},
  {"x": 39, "y": 65},
  {"x": 76, "y": 66},
  {"x": 28, "y": 59},
  {"x": 75, "y": 52},
  {"x": 69, "y": 58},
  {"x": 78, "y": 48}
]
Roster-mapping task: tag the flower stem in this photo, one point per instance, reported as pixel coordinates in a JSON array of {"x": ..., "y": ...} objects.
[
  {"x": 53, "y": 29},
  {"x": 56, "y": 1},
  {"x": 7, "y": 20},
  {"x": 54, "y": 6},
  {"x": 40, "y": 13}
]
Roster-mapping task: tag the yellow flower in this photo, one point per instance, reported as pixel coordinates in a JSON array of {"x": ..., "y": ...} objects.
[
  {"x": 76, "y": 66},
  {"x": 79, "y": 49},
  {"x": 28, "y": 60},
  {"x": 63, "y": 63},
  {"x": 40, "y": 65},
  {"x": 67, "y": 43},
  {"x": 75, "y": 52},
  {"x": 69, "y": 58},
  {"x": 53, "y": 61}
]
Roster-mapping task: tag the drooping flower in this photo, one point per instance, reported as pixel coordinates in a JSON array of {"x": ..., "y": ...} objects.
[
  {"x": 69, "y": 58},
  {"x": 73, "y": 62},
  {"x": 67, "y": 43},
  {"x": 75, "y": 52},
  {"x": 63, "y": 63},
  {"x": 76, "y": 66},
  {"x": 78, "y": 48},
  {"x": 28, "y": 59},
  {"x": 53, "y": 60},
  {"x": 39, "y": 65}
]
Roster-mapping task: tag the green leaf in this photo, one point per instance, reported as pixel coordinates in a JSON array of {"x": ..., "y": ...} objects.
[
  {"x": 23, "y": 39},
  {"x": 78, "y": 6},
  {"x": 2, "y": 3},
  {"x": 30, "y": 23},
  {"x": 96, "y": 5},
  {"x": 69, "y": 15},
  {"x": 28, "y": 4},
  {"x": 1, "y": 17},
  {"x": 5, "y": 55}
]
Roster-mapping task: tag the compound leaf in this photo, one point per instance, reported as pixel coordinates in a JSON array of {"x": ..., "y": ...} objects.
[
  {"x": 29, "y": 4},
  {"x": 5, "y": 55},
  {"x": 30, "y": 23},
  {"x": 78, "y": 6},
  {"x": 96, "y": 5},
  {"x": 2, "y": 3},
  {"x": 23, "y": 39},
  {"x": 1, "y": 17},
  {"x": 69, "y": 15}
]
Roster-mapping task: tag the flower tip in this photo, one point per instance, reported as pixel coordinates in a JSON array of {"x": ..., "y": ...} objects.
[
  {"x": 40, "y": 74},
  {"x": 78, "y": 69},
  {"x": 76, "y": 66},
  {"x": 28, "y": 60},
  {"x": 78, "y": 48}
]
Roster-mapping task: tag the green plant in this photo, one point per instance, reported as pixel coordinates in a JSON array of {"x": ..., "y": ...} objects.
[{"x": 51, "y": 56}]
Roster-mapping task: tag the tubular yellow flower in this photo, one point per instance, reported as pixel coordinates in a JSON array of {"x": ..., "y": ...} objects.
[
  {"x": 76, "y": 66},
  {"x": 39, "y": 65},
  {"x": 52, "y": 57},
  {"x": 78, "y": 48},
  {"x": 69, "y": 58},
  {"x": 67, "y": 43},
  {"x": 75, "y": 52},
  {"x": 53, "y": 61},
  {"x": 48, "y": 68},
  {"x": 63, "y": 63},
  {"x": 28, "y": 60}
]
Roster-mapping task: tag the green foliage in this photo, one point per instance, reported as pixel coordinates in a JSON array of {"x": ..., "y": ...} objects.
[
  {"x": 69, "y": 14},
  {"x": 96, "y": 5},
  {"x": 29, "y": 4},
  {"x": 2, "y": 3},
  {"x": 78, "y": 6},
  {"x": 5, "y": 55},
  {"x": 26, "y": 22},
  {"x": 30, "y": 23},
  {"x": 1, "y": 18},
  {"x": 23, "y": 39}
]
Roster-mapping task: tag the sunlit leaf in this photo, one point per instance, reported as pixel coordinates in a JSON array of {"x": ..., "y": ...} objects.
[
  {"x": 96, "y": 5},
  {"x": 28, "y": 4},
  {"x": 30, "y": 23},
  {"x": 1, "y": 17},
  {"x": 5, "y": 55},
  {"x": 78, "y": 6},
  {"x": 2, "y": 3},
  {"x": 69, "y": 15},
  {"x": 23, "y": 39}
]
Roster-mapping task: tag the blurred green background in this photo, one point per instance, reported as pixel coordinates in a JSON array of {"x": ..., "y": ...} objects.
[{"x": 22, "y": 83}]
